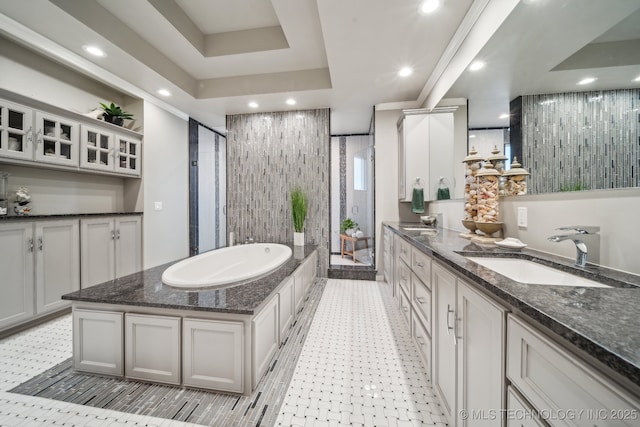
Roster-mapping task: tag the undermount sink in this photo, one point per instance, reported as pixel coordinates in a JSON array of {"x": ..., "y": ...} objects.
[{"x": 525, "y": 271}]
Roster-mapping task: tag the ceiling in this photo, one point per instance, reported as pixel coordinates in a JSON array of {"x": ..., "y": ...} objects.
[{"x": 217, "y": 56}]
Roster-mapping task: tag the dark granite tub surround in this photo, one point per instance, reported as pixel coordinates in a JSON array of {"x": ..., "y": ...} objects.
[
  {"x": 146, "y": 289},
  {"x": 65, "y": 216},
  {"x": 603, "y": 322}
]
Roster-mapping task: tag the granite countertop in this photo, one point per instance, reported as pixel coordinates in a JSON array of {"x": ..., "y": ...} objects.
[
  {"x": 146, "y": 289},
  {"x": 63, "y": 216},
  {"x": 603, "y": 322}
]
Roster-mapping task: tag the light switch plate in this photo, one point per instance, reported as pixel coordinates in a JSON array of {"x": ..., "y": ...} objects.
[
  {"x": 522, "y": 217},
  {"x": 158, "y": 206}
]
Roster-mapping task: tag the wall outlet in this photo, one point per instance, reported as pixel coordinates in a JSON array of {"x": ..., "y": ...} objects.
[
  {"x": 157, "y": 206},
  {"x": 522, "y": 217}
]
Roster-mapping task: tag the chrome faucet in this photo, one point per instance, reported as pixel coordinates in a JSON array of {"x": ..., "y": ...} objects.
[
  {"x": 580, "y": 234},
  {"x": 249, "y": 240}
]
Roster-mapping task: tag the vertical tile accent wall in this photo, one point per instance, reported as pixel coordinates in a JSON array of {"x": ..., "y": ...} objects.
[
  {"x": 581, "y": 140},
  {"x": 267, "y": 155}
]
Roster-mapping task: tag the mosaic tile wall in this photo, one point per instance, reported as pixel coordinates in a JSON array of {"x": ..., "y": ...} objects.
[
  {"x": 267, "y": 155},
  {"x": 581, "y": 140}
]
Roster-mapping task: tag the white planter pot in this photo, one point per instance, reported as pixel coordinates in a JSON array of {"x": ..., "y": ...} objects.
[{"x": 298, "y": 239}]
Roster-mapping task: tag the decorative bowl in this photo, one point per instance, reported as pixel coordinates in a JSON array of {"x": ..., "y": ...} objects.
[
  {"x": 489, "y": 228},
  {"x": 470, "y": 225}
]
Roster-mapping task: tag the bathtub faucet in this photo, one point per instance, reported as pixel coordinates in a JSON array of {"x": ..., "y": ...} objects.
[{"x": 249, "y": 240}]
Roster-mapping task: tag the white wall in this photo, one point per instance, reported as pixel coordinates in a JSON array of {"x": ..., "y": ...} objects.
[{"x": 165, "y": 179}]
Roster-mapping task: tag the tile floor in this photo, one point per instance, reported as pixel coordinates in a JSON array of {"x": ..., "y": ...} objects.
[{"x": 358, "y": 367}]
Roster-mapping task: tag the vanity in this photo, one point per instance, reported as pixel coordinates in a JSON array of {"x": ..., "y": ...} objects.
[
  {"x": 502, "y": 352},
  {"x": 219, "y": 339}
]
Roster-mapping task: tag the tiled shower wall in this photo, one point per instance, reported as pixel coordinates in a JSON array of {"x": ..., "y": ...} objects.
[
  {"x": 267, "y": 155},
  {"x": 581, "y": 140}
]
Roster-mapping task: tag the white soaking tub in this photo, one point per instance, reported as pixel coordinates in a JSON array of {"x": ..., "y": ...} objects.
[{"x": 226, "y": 266}]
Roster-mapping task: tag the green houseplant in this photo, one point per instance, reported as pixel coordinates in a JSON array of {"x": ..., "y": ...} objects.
[
  {"x": 348, "y": 225},
  {"x": 113, "y": 114},
  {"x": 299, "y": 205}
]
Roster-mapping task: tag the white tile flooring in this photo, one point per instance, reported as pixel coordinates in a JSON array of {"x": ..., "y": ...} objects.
[{"x": 358, "y": 367}]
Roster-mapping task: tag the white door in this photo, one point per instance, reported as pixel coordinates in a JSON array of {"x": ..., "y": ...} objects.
[
  {"x": 212, "y": 199},
  {"x": 128, "y": 249},
  {"x": 57, "y": 263},
  {"x": 480, "y": 354},
  {"x": 96, "y": 149},
  {"x": 16, "y": 131},
  {"x": 128, "y": 154},
  {"x": 57, "y": 140},
  {"x": 444, "y": 336},
  {"x": 16, "y": 265},
  {"x": 97, "y": 237}
]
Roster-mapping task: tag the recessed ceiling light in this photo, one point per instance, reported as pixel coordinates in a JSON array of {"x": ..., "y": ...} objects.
[
  {"x": 429, "y": 6},
  {"x": 504, "y": 116},
  {"x": 164, "y": 92},
  {"x": 94, "y": 50},
  {"x": 291, "y": 101},
  {"x": 253, "y": 104},
  {"x": 587, "y": 80},
  {"x": 637, "y": 79},
  {"x": 475, "y": 66},
  {"x": 472, "y": 135},
  {"x": 405, "y": 71}
]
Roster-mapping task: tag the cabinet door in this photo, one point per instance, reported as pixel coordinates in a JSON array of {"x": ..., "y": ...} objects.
[
  {"x": 519, "y": 413},
  {"x": 57, "y": 263},
  {"x": 213, "y": 354},
  {"x": 287, "y": 306},
  {"x": 128, "y": 249},
  {"x": 96, "y": 149},
  {"x": 480, "y": 355},
  {"x": 98, "y": 342},
  {"x": 266, "y": 338},
  {"x": 16, "y": 265},
  {"x": 152, "y": 348},
  {"x": 422, "y": 339},
  {"x": 128, "y": 155},
  {"x": 298, "y": 287},
  {"x": 97, "y": 251},
  {"x": 421, "y": 301},
  {"x": 403, "y": 274},
  {"x": 57, "y": 140},
  {"x": 444, "y": 338},
  {"x": 16, "y": 131}
]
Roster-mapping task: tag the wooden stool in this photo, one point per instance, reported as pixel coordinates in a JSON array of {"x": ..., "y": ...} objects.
[{"x": 344, "y": 238}]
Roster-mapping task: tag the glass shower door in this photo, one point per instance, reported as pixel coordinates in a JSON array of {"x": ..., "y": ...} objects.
[{"x": 361, "y": 209}]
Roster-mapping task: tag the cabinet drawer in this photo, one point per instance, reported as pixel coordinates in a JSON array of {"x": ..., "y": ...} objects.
[
  {"x": 403, "y": 276},
  {"x": 403, "y": 249},
  {"x": 553, "y": 380},
  {"x": 405, "y": 307},
  {"x": 421, "y": 301},
  {"x": 519, "y": 413},
  {"x": 422, "y": 338},
  {"x": 421, "y": 265}
]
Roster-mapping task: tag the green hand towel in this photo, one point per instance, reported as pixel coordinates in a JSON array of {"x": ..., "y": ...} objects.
[
  {"x": 443, "y": 194},
  {"x": 417, "y": 201}
]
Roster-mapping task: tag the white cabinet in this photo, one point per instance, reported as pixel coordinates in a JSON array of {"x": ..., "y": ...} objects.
[
  {"x": 57, "y": 140},
  {"x": 213, "y": 354},
  {"x": 519, "y": 413},
  {"x": 266, "y": 338},
  {"x": 98, "y": 342},
  {"x": 425, "y": 151},
  {"x": 57, "y": 263},
  {"x": 16, "y": 131},
  {"x": 152, "y": 348},
  {"x": 111, "y": 247},
  {"x": 553, "y": 381},
  {"x": 303, "y": 277},
  {"x": 96, "y": 148},
  {"x": 127, "y": 154},
  {"x": 287, "y": 305},
  {"x": 468, "y": 355},
  {"x": 388, "y": 255},
  {"x": 16, "y": 264}
]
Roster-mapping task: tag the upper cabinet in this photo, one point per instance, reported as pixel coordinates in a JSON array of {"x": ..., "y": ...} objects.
[
  {"x": 425, "y": 152},
  {"x": 32, "y": 134}
]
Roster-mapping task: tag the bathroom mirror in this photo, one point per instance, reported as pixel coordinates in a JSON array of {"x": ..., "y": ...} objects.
[{"x": 545, "y": 48}]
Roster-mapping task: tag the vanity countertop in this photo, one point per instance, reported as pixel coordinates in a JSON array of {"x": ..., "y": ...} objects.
[
  {"x": 147, "y": 290},
  {"x": 64, "y": 216},
  {"x": 602, "y": 322}
]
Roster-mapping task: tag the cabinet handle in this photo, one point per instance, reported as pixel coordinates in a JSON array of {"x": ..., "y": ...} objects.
[
  {"x": 113, "y": 235},
  {"x": 118, "y": 234},
  {"x": 30, "y": 245},
  {"x": 405, "y": 309},
  {"x": 39, "y": 137},
  {"x": 419, "y": 339},
  {"x": 449, "y": 327},
  {"x": 40, "y": 243},
  {"x": 30, "y": 134},
  {"x": 419, "y": 264},
  {"x": 420, "y": 300}
]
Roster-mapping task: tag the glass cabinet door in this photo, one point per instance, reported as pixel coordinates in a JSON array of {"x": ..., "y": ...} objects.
[
  {"x": 16, "y": 131},
  {"x": 128, "y": 155},
  {"x": 96, "y": 148},
  {"x": 57, "y": 140}
]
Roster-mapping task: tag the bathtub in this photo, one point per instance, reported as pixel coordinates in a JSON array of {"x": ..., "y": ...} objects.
[{"x": 222, "y": 267}]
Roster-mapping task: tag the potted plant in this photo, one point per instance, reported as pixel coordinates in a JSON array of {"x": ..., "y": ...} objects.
[
  {"x": 299, "y": 204},
  {"x": 114, "y": 114},
  {"x": 348, "y": 227}
]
